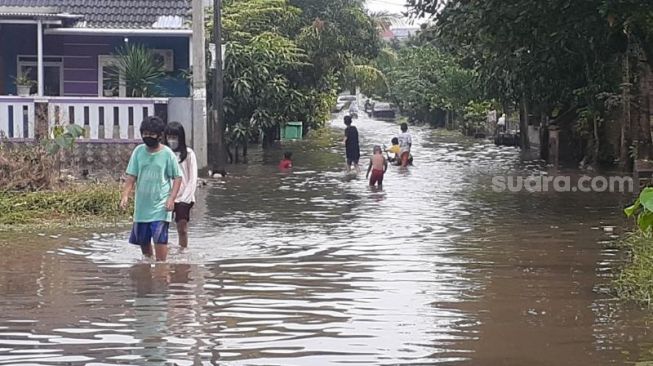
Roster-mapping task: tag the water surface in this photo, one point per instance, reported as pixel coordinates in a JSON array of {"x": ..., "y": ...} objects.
[{"x": 313, "y": 268}]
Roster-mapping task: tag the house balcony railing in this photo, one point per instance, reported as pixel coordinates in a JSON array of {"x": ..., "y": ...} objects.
[{"x": 101, "y": 118}]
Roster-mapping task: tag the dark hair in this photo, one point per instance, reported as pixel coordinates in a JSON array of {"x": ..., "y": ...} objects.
[
  {"x": 404, "y": 127},
  {"x": 176, "y": 129},
  {"x": 153, "y": 124},
  {"x": 395, "y": 141},
  {"x": 347, "y": 120},
  {"x": 287, "y": 155}
]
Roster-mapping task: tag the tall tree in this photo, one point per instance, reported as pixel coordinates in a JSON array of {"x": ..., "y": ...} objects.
[
  {"x": 284, "y": 61},
  {"x": 546, "y": 56}
]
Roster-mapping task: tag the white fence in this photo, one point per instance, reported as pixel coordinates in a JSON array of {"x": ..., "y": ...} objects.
[
  {"x": 102, "y": 118},
  {"x": 16, "y": 117}
]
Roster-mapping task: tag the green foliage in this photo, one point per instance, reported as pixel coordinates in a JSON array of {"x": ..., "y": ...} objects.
[
  {"x": 245, "y": 19},
  {"x": 423, "y": 79},
  {"x": 88, "y": 202},
  {"x": 63, "y": 138},
  {"x": 642, "y": 210},
  {"x": 475, "y": 117},
  {"x": 138, "y": 70},
  {"x": 635, "y": 280},
  {"x": 366, "y": 77},
  {"x": 286, "y": 59},
  {"x": 23, "y": 79},
  {"x": 553, "y": 55},
  {"x": 541, "y": 49}
]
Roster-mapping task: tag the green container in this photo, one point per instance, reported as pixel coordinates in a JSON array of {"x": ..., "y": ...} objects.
[{"x": 292, "y": 131}]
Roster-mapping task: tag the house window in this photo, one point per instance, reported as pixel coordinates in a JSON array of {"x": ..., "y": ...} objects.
[
  {"x": 52, "y": 74},
  {"x": 110, "y": 81}
]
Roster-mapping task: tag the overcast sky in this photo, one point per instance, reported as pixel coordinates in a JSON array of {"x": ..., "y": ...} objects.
[{"x": 394, "y": 6}]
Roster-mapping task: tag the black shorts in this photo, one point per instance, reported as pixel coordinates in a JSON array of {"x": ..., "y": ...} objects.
[{"x": 182, "y": 211}]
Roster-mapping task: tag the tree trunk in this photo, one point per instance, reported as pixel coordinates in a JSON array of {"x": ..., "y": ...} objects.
[
  {"x": 596, "y": 143},
  {"x": 644, "y": 107},
  {"x": 453, "y": 120},
  {"x": 269, "y": 135},
  {"x": 230, "y": 156},
  {"x": 625, "y": 118},
  {"x": 544, "y": 135},
  {"x": 245, "y": 145},
  {"x": 523, "y": 125}
]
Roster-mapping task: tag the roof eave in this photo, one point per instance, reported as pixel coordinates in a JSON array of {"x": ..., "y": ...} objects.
[{"x": 183, "y": 32}]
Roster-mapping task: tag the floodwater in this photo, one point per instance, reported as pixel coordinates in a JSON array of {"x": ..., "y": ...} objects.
[{"x": 312, "y": 268}]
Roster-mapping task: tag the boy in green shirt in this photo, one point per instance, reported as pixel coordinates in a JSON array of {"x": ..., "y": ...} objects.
[{"x": 154, "y": 170}]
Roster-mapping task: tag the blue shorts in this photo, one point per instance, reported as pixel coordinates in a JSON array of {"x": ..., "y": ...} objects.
[{"x": 144, "y": 233}]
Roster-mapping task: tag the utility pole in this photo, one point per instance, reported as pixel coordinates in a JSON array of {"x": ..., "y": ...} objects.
[
  {"x": 199, "y": 86},
  {"x": 217, "y": 150}
]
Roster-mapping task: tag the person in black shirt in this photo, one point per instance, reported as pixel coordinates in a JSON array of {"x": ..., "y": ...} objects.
[{"x": 351, "y": 145}]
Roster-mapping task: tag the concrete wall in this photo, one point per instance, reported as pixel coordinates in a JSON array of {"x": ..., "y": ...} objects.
[
  {"x": 181, "y": 110},
  {"x": 103, "y": 158}
]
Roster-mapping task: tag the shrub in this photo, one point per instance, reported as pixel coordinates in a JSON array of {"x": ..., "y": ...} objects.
[
  {"x": 26, "y": 167},
  {"x": 69, "y": 205}
]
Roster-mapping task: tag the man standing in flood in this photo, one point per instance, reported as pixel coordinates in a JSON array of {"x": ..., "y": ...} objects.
[{"x": 352, "y": 148}]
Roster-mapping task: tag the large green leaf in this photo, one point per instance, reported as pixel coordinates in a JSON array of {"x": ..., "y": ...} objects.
[
  {"x": 631, "y": 210},
  {"x": 52, "y": 148},
  {"x": 75, "y": 131},
  {"x": 646, "y": 198},
  {"x": 645, "y": 221}
]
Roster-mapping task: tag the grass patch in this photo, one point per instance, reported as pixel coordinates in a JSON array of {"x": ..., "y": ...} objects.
[
  {"x": 635, "y": 281},
  {"x": 78, "y": 205}
]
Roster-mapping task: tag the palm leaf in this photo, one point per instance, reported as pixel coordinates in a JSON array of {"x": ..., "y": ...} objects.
[{"x": 139, "y": 70}]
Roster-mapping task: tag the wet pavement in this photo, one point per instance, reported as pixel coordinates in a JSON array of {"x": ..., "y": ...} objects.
[{"x": 314, "y": 268}]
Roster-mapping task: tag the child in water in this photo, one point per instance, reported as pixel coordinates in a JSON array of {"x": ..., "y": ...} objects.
[
  {"x": 153, "y": 171},
  {"x": 286, "y": 163},
  {"x": 395, "y": 149},
  {"x": 405, "y": 144},
  {"x": 175, "y": 137},
  {"x": 378, "y": 166}
]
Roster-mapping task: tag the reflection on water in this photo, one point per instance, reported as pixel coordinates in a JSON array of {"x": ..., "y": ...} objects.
[{"x": 310, "y": 268}]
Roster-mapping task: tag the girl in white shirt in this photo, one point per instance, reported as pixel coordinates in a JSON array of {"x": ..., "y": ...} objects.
[{"x": 175, "y": 137}]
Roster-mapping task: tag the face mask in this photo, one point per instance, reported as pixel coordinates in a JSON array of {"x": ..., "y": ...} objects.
[
  {"x": 174, "y": 144},
  {"x": 151, "y": 141}
]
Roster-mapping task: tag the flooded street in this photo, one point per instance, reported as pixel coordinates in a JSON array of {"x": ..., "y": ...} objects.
[{"x": 310, "y": 268}]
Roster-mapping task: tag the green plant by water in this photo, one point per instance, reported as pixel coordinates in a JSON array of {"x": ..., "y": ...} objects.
[
  {"x": 642, "y": 211},
  {"x": 635, "y": 280}
]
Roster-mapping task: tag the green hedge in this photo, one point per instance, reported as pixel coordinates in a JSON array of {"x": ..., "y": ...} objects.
[
  {"x": 69, "y": 205},
  {"x": 635, "y": 281}
]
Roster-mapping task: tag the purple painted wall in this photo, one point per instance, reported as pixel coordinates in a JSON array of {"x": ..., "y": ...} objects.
[
  {"x": 81, "y": 63},
  {"x": 80, "y": 58}
]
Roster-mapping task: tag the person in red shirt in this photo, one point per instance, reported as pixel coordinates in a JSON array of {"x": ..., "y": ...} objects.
[{"x": 286, "y": 163}]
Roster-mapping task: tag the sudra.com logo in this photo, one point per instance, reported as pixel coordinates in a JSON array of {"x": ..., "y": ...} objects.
[{"x": 561, "y": 183}]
